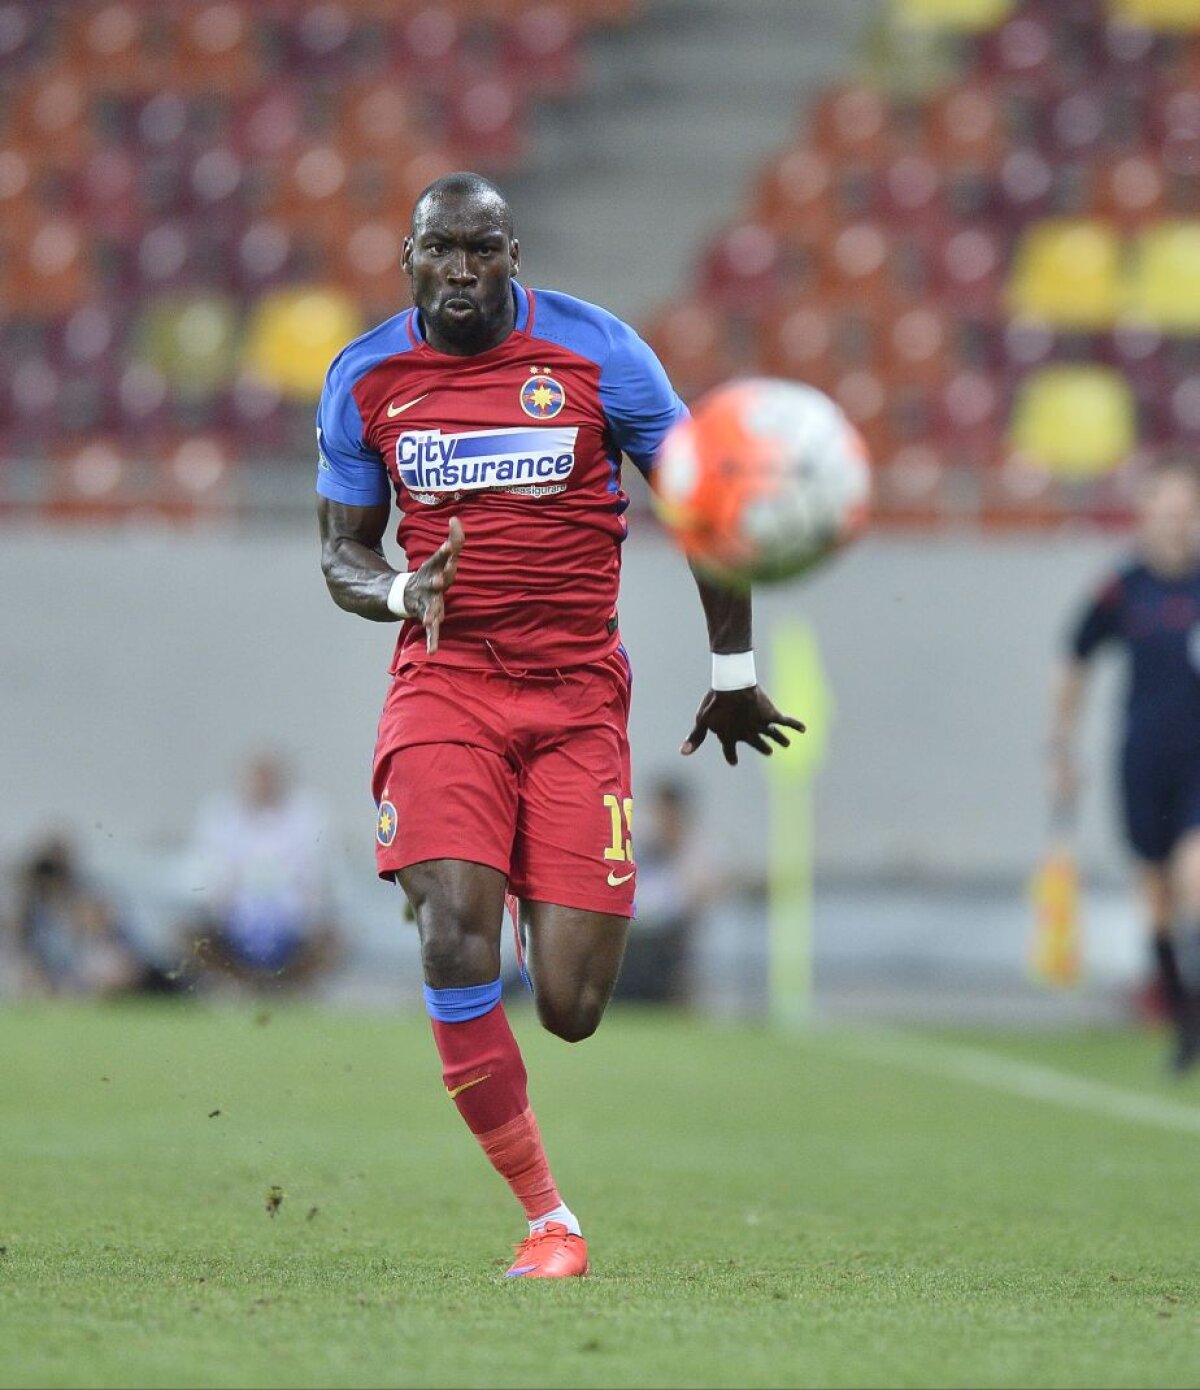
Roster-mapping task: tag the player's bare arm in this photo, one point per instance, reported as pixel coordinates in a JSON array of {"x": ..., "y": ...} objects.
[
  {"x": 360, "y": 579},
  {"x": 735, "y": 716},
  {"x": 1067, "y": 701}
]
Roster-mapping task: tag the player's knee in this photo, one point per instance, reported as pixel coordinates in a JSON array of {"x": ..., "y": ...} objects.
[{"x": 573, "y": 1020}]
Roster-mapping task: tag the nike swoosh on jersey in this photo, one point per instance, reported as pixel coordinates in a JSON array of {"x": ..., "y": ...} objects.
[
  {"x": 394, "y": 410},
  {"x": 466, "y": 1086},
  {"x": 615, "y": 880}
]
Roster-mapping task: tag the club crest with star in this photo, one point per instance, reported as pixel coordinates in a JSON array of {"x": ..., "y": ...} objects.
[{"x": 541, "y": 396}]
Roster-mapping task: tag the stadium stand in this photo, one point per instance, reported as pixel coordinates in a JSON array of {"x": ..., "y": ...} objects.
[
  {"x": 201, "y": 200},
  {"x": 997, "y": 274},
  {"x": 198, "y": 200}
]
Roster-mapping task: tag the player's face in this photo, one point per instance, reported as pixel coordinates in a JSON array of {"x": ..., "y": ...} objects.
[
  {"x": 1170, "y": 523},
  {"x": 461, "y": 261}
]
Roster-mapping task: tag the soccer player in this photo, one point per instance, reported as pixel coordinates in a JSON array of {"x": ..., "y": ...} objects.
[
  {"x": 497, "y": 416},
  {"x": 1151, "y": 607}
]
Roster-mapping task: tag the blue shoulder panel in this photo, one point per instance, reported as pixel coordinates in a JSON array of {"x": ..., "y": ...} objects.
[
  {"x": 639, "y": 402},
  {"x": 347, "y": 470}
]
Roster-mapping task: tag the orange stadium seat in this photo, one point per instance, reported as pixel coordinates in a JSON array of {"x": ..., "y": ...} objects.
[
  {"x": 1077, "y": 420},
  {"x": 694, "y": 343},
  {"x": 122, "y": 45},
  {"x": 46, "y": 270},
  {"x": 1130, "y": 190},
  {"x": 813, "y": 340},
  {"x": 49, "y": 111},
  {"x": 917, "y": 344},
  {"x": 796, "y": 195},
  {"x": 1067, "y": 271},
  {"x": 1164, "y": 281},
  {"x": 965, "y": 125},
  {"x": 215, "y": 48},
  {"x": 854, "y": 121}
]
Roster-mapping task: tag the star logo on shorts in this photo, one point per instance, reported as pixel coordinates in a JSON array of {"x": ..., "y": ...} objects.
[{"x": 385, "y": 824}]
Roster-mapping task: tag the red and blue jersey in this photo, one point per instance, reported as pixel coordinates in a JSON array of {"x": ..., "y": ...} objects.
[{"x": 523, "y": 443}]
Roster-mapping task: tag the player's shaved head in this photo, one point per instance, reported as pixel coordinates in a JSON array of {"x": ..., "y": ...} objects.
[
  {"x": 461, "y": 256},
  {"x": 462, "y": 186}
]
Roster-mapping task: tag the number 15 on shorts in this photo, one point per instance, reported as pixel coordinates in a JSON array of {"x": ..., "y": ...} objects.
[{"x": 619, "y": 850}]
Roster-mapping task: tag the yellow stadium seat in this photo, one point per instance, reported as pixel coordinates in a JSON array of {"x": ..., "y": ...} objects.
[
  {"x": 952, "y": 14},
  {"x": 1163, "y": 289},
  {"x": 191, "y": 339},
  {"x": 1067, "y": 273},
  {"x": 295, "y": 333},
  {"x": 1077, "y": 421},
  {"x": 1180, "y": 15}
]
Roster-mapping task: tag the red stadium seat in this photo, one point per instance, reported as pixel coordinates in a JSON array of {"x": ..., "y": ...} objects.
[
  {"x": 968, "y": 268},
  {"x": 485, "y": 116},
  {"x": 742, "y": 267},
  {"x": 540, "y": 46}
]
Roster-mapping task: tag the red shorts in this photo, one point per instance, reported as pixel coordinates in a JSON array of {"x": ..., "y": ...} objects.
[{"x": 528, "y": 774}]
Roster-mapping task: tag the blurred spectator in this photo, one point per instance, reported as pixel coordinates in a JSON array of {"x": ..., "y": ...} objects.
[
  {"x": 1150, "y": 609},
  {"x": 675, "y": 883},
  {"x": 70, "y": 937},
  {"x": 262, "y": 857}
]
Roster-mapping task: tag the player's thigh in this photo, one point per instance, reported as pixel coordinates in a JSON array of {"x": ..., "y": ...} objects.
[
  {"x": 1150, "y": 805},
  {"x": 444, "y": 801},
  {"x": 574, "y": 843},
  {"x": 574, "y": 958},
  {"x": 459, "y": 907}
]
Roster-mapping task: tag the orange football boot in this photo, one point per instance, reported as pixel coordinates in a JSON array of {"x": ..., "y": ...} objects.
[{"x": 550, "y": 1253}]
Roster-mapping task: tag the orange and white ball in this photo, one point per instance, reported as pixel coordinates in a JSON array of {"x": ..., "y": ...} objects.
[{"x": 766, "y": 479}]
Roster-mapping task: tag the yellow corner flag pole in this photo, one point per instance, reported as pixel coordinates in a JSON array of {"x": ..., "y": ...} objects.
[{"x": 798, "y": 687}]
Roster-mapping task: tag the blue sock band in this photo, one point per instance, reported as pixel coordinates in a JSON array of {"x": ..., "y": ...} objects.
[{"x": 462, "y": 1005}]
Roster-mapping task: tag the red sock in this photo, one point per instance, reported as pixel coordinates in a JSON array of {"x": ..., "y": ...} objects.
[{"x": 485, "y": 1076}]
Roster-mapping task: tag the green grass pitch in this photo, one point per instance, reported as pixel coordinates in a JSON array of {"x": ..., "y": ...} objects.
[{"x": 762, "y": 1210}]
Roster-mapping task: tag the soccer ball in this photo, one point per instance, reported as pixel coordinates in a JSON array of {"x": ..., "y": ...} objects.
[{"x": 764, "y": 481}]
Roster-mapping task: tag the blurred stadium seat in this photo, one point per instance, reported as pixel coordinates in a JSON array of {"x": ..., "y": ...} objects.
[
  {"x": 1077, "y": 421},
  {"x": 195, "y": 180},
  {"x": 1067, "y": 272},
  {"x": 1164, "y": 280},
  {"x": 293, "y": 334}
]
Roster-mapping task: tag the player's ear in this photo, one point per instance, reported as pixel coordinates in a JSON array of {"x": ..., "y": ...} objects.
[
  {"x": 514, "y": 255},
  {"x": 406, "y": 255}
]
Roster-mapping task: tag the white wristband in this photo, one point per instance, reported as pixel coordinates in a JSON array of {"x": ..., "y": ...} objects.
[
  {"x": 733, "y": 671},
  {"x": 395, "y": 598}
]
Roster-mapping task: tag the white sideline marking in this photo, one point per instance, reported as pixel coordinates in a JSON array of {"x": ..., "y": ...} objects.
[{"x": 1029, "y": 1080}]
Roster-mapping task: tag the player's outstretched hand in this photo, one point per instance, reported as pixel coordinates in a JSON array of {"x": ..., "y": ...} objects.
[
  {"x": 740, "y": 716},
  {"x": 425, "y": 592}
]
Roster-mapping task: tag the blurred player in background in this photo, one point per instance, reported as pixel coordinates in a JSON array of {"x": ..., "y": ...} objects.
[
  {"x": 71, "y": 937},
  {"x": 1151, "y": 608},
  {"x": 262, "y": 856},
  {"x": 498, "y": 417}
]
